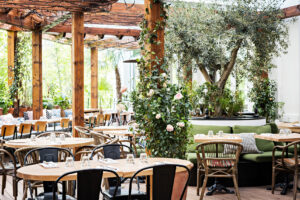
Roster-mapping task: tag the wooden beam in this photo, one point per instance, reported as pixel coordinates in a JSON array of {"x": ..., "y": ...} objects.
[
  {"x": 94, "y": 77},
  {"x": 153, "y": 15},
  {"x": 98, "y": 31},
  {"x": 37, "y": 86},
  {"x": 57, "y": 21},
  {"x": 292, "y": 11},
  {"x": 78, "y": 69},
  {"x": 11, "y": 48}
]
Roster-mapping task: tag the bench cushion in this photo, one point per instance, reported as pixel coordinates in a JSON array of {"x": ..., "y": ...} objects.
[
  {"x": 262, "y": 145},
  {"x": 262, "y": 157}
]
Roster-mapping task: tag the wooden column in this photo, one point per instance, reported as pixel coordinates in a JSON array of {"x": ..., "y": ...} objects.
[
  {"x": 153, "y": 15},
  {"x": 11, "y": 47},
  {"x": 78, "y": 70},
  {"x": 37, "y": 86},
  {"x": 94, "y": 77}
]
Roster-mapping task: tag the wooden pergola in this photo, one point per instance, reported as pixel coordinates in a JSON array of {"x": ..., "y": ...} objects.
[{"x": 77, "y": 22}]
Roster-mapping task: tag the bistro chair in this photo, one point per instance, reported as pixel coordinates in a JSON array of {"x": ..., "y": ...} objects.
[
  {"x": 88, "y": 184},
  {"x": 8, "y": 131},
  {"x": 25, "y": 128},
  {"x": 40, "y": 127},
  {"x": 46, "y": 154},
  {"x": 218, "y": 160},
  {"x": 8, "y": 168},
  {"x": 92, "y": 122},
  {"x": 100, "y": 138},
  {"x": 64, "y": 124},
  {"x": 57, "y": 134},
  {"x": 100, "y": 120},
  {"x": 83, "y": 131},
  {"x": 163, "y": 180},
  {"x": 107, "y": 119},
  {"x": 115, "y": 151},
  {"x": 285, "y": 164}
]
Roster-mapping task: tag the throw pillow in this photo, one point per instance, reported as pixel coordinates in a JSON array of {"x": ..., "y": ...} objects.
[
  {"x": 49, "y": 114},
  {"x": 56, "y": 113},
  {"x": 248, "y": 143}
]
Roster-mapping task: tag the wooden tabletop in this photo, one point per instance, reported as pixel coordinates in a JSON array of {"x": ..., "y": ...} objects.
[
  {"x": 110, "y": 128},
  {"x": 279, "y": 138},
  {"x": 124, "y": 169},
  {"x": 121, "y": 133},
  {"x": 200, "y": 138},
  {"x": 293, "y": 126},
  {"x": 45, "y": 142}
]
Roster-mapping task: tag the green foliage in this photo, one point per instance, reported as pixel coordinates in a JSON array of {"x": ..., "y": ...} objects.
[
  {"x": 263, "y": 94},
  {"x": 162, "y": 117},
  {"x": 5, "y": 101},
  {"x": 62, "y": 101}
]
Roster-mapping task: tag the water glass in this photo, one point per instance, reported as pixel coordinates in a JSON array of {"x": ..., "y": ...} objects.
[
  {"x": 210, "y": 133},
  {"x": 62, "y": 137},
  {"x": 288, "y": 132},
  {"x": 281, "y": 132},
  {"x": 32, "y": 138},
  {"x": 220, "y": 133},
  {"x": 52, "y": 137},
  {"x": 85, "y": 161},
  {"x": 130, "y": 159},
  {"x": 143, "y": 158},
  {"x": 69, "y": 162}
]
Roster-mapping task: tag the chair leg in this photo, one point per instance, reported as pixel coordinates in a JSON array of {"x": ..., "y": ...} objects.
[
  {"x": 273, "y": 179},
  {"x": 25, "y": 188},
  {"x": 15, "y": 188},
  {"x": 295, "y": 185},
  {"x": 203, "y": 187},
  {"x": 3, "y": 183},
  {"x": 198, "y": 181},
  {"x": 236, "y": 187}
]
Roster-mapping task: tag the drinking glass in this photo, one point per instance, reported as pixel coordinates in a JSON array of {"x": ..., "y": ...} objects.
[
  {"x": 62, "y": 137},
  {"x": 130, "y": 159},
  {"x": 32, "y": 138},
  {"x": 52, "y": 137},
  {"x": 281, "y": 132},
  {"x": 69, "y": 162},
  {"x": 143, "y": 158},
  {"x": 221, "y": 134},
  {"x": 85, "y": 161},
  {"x": 210, "y": 133},
  {"x": 287, "y": 132}
]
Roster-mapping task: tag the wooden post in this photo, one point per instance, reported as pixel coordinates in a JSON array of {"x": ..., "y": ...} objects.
[
  {"x": 37, "y": 86},
  {"x": 153, "y": 15},
  {"x": 94, "y": 77},
  {"x": 11, "y": 47},
  {"x": 78, "y": 70},
  {"x": 188, "y": 76}
]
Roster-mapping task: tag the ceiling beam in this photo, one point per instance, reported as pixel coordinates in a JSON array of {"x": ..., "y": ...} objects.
[
  {"x": 98, "y": 31},
  {"x": 57, "y": 22},
  {"x": 292, "y": 11}
]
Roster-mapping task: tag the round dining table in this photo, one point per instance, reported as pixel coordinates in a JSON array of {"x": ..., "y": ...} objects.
[
  {"x": 71, "y": 142},
  {"x": 124, "y": 169}
]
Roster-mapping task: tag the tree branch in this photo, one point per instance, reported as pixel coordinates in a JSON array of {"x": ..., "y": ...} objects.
[
  {"x": 204, "y": 73},
  {"x": 229, "y": 66}
]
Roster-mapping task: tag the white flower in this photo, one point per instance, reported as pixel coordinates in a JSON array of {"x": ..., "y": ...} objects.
[
  {"x": 164, "y": 85},
  {"x": 164, "y": 75},
  {"x": 180, "y": 124},
  {"x": 150, "y": 93},
  {"x": 168, "y": 89},
  {"x": 170, "y": 128},
  {"x": 120, "y": 107},
  {"x": 158, "y": 116},
  {"x": 178, "y": 96}
]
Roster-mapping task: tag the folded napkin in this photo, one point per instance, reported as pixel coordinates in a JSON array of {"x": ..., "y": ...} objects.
[
  {"x": 49, "y": 165},
  {"x": 107, "y": 167},
  {"x": 108, "y": 161}
]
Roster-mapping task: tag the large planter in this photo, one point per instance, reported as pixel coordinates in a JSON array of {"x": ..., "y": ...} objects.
[
  {"x": 1, "y": 111},
  {"x": 21, "y": 111},
  {"x": 11, "y": 110}
]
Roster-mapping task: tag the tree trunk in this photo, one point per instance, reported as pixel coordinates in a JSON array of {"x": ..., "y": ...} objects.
[{"x": 118, "y": 84}]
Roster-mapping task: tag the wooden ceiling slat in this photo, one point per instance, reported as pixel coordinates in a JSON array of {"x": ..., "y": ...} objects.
[{"x": 292, "y": 11}]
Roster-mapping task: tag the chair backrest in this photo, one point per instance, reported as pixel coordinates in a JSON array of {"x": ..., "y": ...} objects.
[
  {"x": 107, "y": 117},
  {"x": 83, "y": 132},
  {"x": 64, "y": 122},
  {"x": 25, "y": 128},
  {"x": 47, "y": 154},
  {"x": 88, "y": 183},
  {"x": 92, "y": 121},
  {"x": 4, "y": 154},
  {"x": 8, "y": 130},
  {"x": 113, "y": 151},
  {"x": 40, "y": 126},
  {"x": 223, "y": 154},
  {"x": 288, "y": 162},
  {"x": 100, "y": 138},
  {"x": 21, "y": 153},
  {"x": 163, "y": 180},
  {"x": 57, "y": 134},
  {"x": 100, "y": 119}
]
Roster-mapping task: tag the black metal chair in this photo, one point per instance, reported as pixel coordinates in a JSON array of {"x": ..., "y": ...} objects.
[
  {"x": 46, "y": 154},
  {"x": 163, "y": 181},
  {"x": 116, "y": 151},
  {"x": 88, "y": 184}
]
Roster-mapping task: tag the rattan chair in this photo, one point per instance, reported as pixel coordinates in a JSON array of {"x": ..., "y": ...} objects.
[
  {"x": 83, "y": 131},
  {"x": 8, "y": 131},
  {"x": 57, "y": 134},
  {"x": 218, "y": 160},
  {"x": 285, "y": 164},
  {"x": 100, "y": 138},
  {"x": 25, "y": 128}
]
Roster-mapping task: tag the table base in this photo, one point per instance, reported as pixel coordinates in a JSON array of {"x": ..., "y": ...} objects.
[{"x": 219, "y": 188}]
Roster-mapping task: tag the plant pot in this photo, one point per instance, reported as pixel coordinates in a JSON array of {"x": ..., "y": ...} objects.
[
  {"x": 21, "y": 111},
  {"x": 1, "y": 111},
  {"x": 179, "y": 183},
  {"x": 62, "y": 112},
  {"x": 11, "y": 110}
]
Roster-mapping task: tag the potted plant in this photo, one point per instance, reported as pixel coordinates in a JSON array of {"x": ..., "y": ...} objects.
[{"x": 63, "y": 102}]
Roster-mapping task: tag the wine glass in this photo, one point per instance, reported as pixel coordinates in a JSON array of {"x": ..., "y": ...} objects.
[
  {"x": 143, "y": 158},
  {"x": 85, "y": 161},
  {"x": 130, "y": 159},
  {"x": 69, "y": 162},
  {"x": 210, "y": 133}
]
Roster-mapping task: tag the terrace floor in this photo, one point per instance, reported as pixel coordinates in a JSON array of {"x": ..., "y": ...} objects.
[{"x": 247, "y": 193}]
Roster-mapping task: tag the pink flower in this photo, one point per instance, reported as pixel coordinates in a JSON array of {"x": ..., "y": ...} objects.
[
  {"x": 170, "y": 128},
  {"x": 123, "y": 89},
  {"x": 180, "y": 124},
  {"x": 178, "y": 96},
  {"x": 158, "y": 116}
]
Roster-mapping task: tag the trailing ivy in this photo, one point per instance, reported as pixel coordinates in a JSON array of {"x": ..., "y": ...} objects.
[{"x": 161, "y": 109}]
